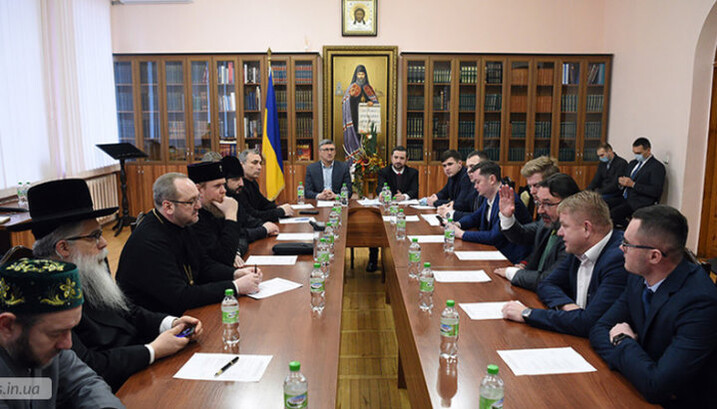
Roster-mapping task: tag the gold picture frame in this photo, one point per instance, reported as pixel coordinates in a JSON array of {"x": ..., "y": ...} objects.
[
  {"x": 341, "y": 64},
  {"x": 359, "y": 18}
]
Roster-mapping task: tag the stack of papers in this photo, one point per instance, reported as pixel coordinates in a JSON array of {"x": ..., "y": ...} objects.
[
  {"x": 427, "y": 238},
  {"x": 324, "y": 203},
  {"x": 432, "y": 219},
  {"x": 409, "y": 218},
  {"x": 461, "y": 276},
  {"x": 545, "y": 361},
  {"x": 421, "y": 207},
  {"x": 295, "y": 237},
  {"x": 273, "y": 287},
  {"x": 271, "y": 260},
  {"x": 295, "y": 220},
  {"x": 202, "y": 367},
  {"x": 408, "y": 202},
  {"x": 480, "y": 255},
  {"x": 369, "y": 202},
  {"x": 484, "y": 310},
  {"x": 302, "y": 207}
]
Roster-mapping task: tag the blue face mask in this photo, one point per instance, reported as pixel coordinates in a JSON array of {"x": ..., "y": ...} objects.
[
  {"x": 604, "y": 159},
  {"x": 640, "y": 157}
]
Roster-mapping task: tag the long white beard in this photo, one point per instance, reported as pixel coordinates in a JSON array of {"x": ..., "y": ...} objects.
[{"x": 98, "y": 287}]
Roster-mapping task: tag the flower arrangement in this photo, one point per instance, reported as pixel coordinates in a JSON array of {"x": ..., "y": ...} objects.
[{"x": 366, "y": 161}]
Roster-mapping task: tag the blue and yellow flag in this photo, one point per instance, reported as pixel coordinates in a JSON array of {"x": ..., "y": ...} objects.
[{"x": 271, "y": 145}]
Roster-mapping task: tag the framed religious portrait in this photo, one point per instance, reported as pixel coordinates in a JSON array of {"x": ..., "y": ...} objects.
[
  {"x": 360, "y": 96},
  {"x": 359, "y": 18}
]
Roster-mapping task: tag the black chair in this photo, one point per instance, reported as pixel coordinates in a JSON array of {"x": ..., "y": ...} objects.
[{"x": 706, "y": 265}]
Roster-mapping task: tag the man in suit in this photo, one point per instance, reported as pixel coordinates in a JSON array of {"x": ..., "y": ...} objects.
[
  {"x": 473, "y": 200},
  {"x": 548, "y": 248},
  {"x": 403, "y": 182},
  {"x": 250, "y": 195},
  {"x": 641, "y": 184},
  {"x": 579, "y": 291},
  {"x": 605, "y": 181},
  {"x": 458, "y": 188},
  {"x": 485, "y": 219},
  {"x": 661, "y": 333},
  {"x": 114, "y": 337},
  {"x": 325, "y": 178}
]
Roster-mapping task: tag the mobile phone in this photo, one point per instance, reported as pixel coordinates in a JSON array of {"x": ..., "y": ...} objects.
[
  {"x": 187, "y": 332},
  {"x": 308, "y": 212}
]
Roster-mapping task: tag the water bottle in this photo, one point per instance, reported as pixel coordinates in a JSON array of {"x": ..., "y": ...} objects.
[
  {"x": 230, "y": 322},
  {"x": 492, "y": 390},
  {"x": 385, "y": 197},
  {"x": 344, "y": 195},
  {"x": 449, "y": 331},
  {"x": 449, "y": 237},
  {"x": 337, "y": 218},
  {"x": 316, "y": 285},
  {"x": 333, "y": 215},
  {"x": 414, "y": 259},
  {"x": 317, "y": 237},
  {"x": 393, "y": 210},
  {"x": 401, "y": 225},
  {"x": 425, "y": 294},
  {"x": 21, "y": 195},
  {"x": 329, "y": 235},
  {"x": 296, "y": 389},
  {"x": 324, "y": 257},
  {"x": 300, "y": 193}
]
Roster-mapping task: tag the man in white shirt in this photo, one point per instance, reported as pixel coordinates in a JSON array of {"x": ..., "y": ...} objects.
[{"x": 589, "y": 280}]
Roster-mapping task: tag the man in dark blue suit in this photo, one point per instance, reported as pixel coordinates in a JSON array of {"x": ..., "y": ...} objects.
[
  {"x": 586, "y": 283},
  {"x": 325, "y": 178},
  {"x": 641, "y": 184},
  {"x": 468, "y": 203},
  {"x": 458, "y": 188},
  {"x": 487, "y": 183},
  {"x": 661, "y": 333}
]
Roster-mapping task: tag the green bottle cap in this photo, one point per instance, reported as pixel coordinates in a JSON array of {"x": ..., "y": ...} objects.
[
  {"x": 450, "y": 219},
  {"x": 229, "y": 292},
  {"x": 329, "y": 224},
  {"x": 344, "y": 185},
  {"x": 451, "y": 303},
  {"x": 317, "y": 265},
  {"x": 323, "y": 240},
  {"x": 426, "y": 264},
  {"x": 301, "y": 183},
  {"x": 294, "y": 366},
  {"x": 415, "y": 239},
  {"x": 400, "y": 210},
  {"x": 493, "y": 369}
]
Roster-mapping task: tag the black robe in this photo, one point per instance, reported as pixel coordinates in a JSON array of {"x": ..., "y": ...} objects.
[
  {"x": 220, "y": 238},
  {"x": 256, "y": 205}
]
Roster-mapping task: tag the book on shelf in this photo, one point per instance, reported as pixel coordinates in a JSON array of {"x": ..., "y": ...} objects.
[
  {"x": 596, "y": 74},
  {"x": 279, "y": 73},
  {"x": 416, "y": 73},
  {"x": 569, "y": 103},
  {"x": 225, "y": 73},
  {"x": 441, "y": 74},
  {"x": 252, "y": 73},
  {"x": 493, "y": 72},
  {"x": 571, "y": 73},
  {"x": 518, "y": 103},
  {"x": 123, "y": 72},
  {"x": 200, "y": 73},
  {"x": 303, "y": 151},
  {"x": 469, "y": 74},
  {"x": 545, "y": 76},
  {"x": 493, "y": 102},
  {"x": 519, "y": 76},
  {"x": 304, "y": 73}
]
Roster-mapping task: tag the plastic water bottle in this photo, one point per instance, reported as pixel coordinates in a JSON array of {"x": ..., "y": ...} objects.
[
  {"x": 449, "y": 237},
  {"x": 385, "y": 197},
  {"x": 333, "y": 215},
  {"x": 300, "y": 193},
  {"x": 492, "y": 390},
  {"x": 414, "y": 259},
  {"x": 324, "y": 257},
  {"x": 330, "y": 237},
  {"x": 296, "y": 388},
  {"x": 230, "y": 322},
  {"x": 393, "y": 210},
  {"x": 425, "y": 294},
  {"x": 344, "y": 195},
  {"x": 21, "y": 195},
  {"x": 317, "y": 237},
  {"x": 316, "y": 285},
  {"x": 449, "y": 331},
  {"x": 401, "y": 225}
]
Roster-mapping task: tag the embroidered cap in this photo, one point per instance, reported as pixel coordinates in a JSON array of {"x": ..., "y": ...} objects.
[{"x": 39, "y": 286}]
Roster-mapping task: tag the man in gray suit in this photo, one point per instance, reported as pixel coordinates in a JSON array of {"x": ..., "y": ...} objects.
[
  {"x": 548, "y": 247},
  {"x": 325, "y": 178}
]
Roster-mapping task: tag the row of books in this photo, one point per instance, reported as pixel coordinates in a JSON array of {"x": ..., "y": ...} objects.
[
  {"x": 516, "y": 154},
  {"x": 175, "y": 101},
  {"x": 441, "y": 101},
  {"x": 465, "y": 151},
  {"x": 415, "y": 102},
  {"x": 176, "y": 130},
  {"x": 125, "y": 127},
  {"x": 252, "y": 127},
  {"x": 280, "y": 99},
  {"x": 538, "y": 152},
  {"x": 491, "y": 129},
  {"x": 596, "y": 74},
  {"x": 466, "y": 129},
  {"x": 568, "y": 130},
  {"x": 493, "y": 152},
  {"x": 278, "y": 73},
  {"x": 303, "y": 151},
  {"x": 123, "y": 72},
  {"x": 545, "y": 76},
  {"x": 414, "y": 152},
  {"x": 517, "y": 129},
  {"x": 148, "y": 73},
  {"x": 227, "y": 103},
  {"x": 590, "y": 154},
  {"x": 200, "y": 102},
  {"x": 494, "y": 72},
  {"x": 414, "y": 127},
  {"x": 252, "y": 73},
  {"x": 174, "y": 72},
  {"x": 440, "y": 128},
  {"x": 416, "y": 73},
  {"x": 493, "y": 102},
  {"x": 469, "y": 74},
  {"x": 569, "y": 103},
  {"x": 227, "y": 127},
  {"x": 304, "y": 73},
  {"x": 124, "y": 101},
  {"x": 543, "y": 129},
  {"x": 593, "y": 130},
  {"x": 150, "y": 130},
  {"x": 566, "y": 154},
  {"x": 304, "y": 99},
  {"x": 252, "y": 99},
  {"x": 225, "y": 73},
  {"x": 283, "y": 127},
  {"x": 150, "y": 101},
  {"x": 200, "y": 73},
  {"x": 519, "y": 76},
  {"x": 201, "y": 129},
  {"x": 571, "y": 73},
  {"x": 441, "y": 74},
  {"x": 227, "y": 149},
  {"x": 467, "y": 102},
  {"x": 519, "y": 103},
  {"x": 594, "y": 103},
  {"x": 304, "y": 127},
  {"x": 544, "y": 103}
]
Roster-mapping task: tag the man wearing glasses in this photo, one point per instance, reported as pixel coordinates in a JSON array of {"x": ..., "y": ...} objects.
[
  {"x": 548, "y": 247},
  {"x": 163, "y": 267},
  {"x": 325, "y": 178},
  {"x": 579, "y": 291},
  {"x": 661, "y": 333}
]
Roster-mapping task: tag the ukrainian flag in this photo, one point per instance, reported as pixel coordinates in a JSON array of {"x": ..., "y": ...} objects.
[{"x": 271, "y": 145}]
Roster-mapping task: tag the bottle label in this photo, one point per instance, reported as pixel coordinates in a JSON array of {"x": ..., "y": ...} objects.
[
  {"x": 296, "y": 401},
  {"x": 317, "y": 285},
  {"x": 324, "y": 257},
  {"x": 449, "y": 234},
  {"x": 330, "y": 238},
  {"x": 414, "y": 257},
  {"x": 486, "y": 403},
  {"x": 448, "y": 329},
  {"x": 427, "y": 285},
  {"x": 230, "y": 317},
  {"x": 401, "y": 223}
]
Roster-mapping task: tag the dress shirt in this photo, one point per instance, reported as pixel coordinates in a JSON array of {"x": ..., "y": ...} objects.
[
  {"x": 489, "y": 202},
  {"x": 398, "y": 181},
  {"x": 585, "y": 271},
  {"x": 328, "y": 171},
  {"x": 165, "y": 325}
]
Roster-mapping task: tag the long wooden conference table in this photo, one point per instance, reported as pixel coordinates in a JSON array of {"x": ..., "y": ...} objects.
[{"x": 283, "y": 326}]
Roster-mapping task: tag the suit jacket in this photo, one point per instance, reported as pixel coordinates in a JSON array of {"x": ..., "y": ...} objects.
[
  {"x": 649, "y": 182},
  {"x": 256, "y": 204},
  {"x": 605, "y": 180},
  {"x": 314, "y": 181},
  {"x": 560, "y": 288},
  {"x": 536, "y": 234},
  {"x": 409, "y": 181},
  {"x": 112, "y": 342},
  {"x": 458, "y": 189},
  {"x": 474, "y": 201},
  {"x": 489, "y": 231},
  {"x": 674, "y": 360}
]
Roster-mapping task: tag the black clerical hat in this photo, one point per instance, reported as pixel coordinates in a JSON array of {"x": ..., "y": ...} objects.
[
  {"x": 232, "y": 167},
  {"x": 205, "y": 171},
  {"x": 55, "y": 203}
]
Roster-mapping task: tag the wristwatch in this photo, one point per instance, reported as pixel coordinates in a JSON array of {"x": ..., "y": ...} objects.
[
  {"x": 617, "y": 339},
  {"x": 526, "y": 313}
]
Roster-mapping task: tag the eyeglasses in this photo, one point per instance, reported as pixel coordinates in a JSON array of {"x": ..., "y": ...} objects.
[
  {"x": 96, "y": 235},
  {"x": 328, "y": 149},
  {"x": 546, "y": 204},
  {"x": 627, "y": 245},
  {"x": 190, "y": 202}
]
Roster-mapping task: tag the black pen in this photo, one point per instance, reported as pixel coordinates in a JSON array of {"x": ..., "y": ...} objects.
[
  {"x": 254, "y": 268},
  {"x": 227, "y": 366}
]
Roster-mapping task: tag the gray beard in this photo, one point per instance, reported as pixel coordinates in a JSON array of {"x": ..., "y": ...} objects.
[
  {"x": 98, "y": 286},
  {"x": 361, "y": 81}
]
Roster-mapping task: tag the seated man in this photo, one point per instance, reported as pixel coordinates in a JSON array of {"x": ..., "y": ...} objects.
[
  {"x": 459, "y": 188},
  {"x": 487, "y": 183},
  {"x": 250, "y": 195},
  {"x": 661, "y": 333},
  {"x": 588, "y": 281},
  {"x": 605, "y": 181},
  {"x": 535, "y": 171},
  {"x": 548, "y": 247},
  {"x": 40, "y": 303},
  {"x": 115, "y": 338},
  {"x": 325, "y": 178},
  {"x": 218, "y": 231},
  {"x": 163, "y": 267},
  {"x": 474, "y": 200}
]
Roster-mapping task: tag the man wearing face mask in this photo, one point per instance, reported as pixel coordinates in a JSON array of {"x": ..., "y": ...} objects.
[
  {"x": 611, "y": 167},
  {"x": 641, "y": 184}
]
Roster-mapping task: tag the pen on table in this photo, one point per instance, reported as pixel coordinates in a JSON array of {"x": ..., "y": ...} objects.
[
  {"x": 227, "y": 366},
  {"x": 254, "y": 268}
]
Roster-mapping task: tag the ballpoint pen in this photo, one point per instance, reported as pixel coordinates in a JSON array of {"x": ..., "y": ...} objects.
[{"x": 227, "y": 366}]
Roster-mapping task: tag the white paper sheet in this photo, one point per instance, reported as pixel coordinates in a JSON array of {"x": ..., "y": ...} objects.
[
  {"x": 480, "y": 255},
  {"x": 432, "y": 219},
  {"x": 419, "y": 207},
  {"x": 484, "y": 310},
  {"x": 271, "y": 260},
  {"x": 409, "y": 218},
  {"x": 369, "y": 202},
  {"x": 427, "y": 238},
  {"x": 461, "y": 276},
  {"x": 408, "y": 202},
  {"x": 325, "y": 203},
  {"x": 202, "y": 366},
  {"x": 545, "y": 361},
  {"x": 296, "y": 220},
  {"x": 273, "y": 287},
  {"x": 302, "y": 207},
  {"x": 295, "y": 237}
]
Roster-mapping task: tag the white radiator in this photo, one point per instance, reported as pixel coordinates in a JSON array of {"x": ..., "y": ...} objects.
[{"x": 103, "y": 190}]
